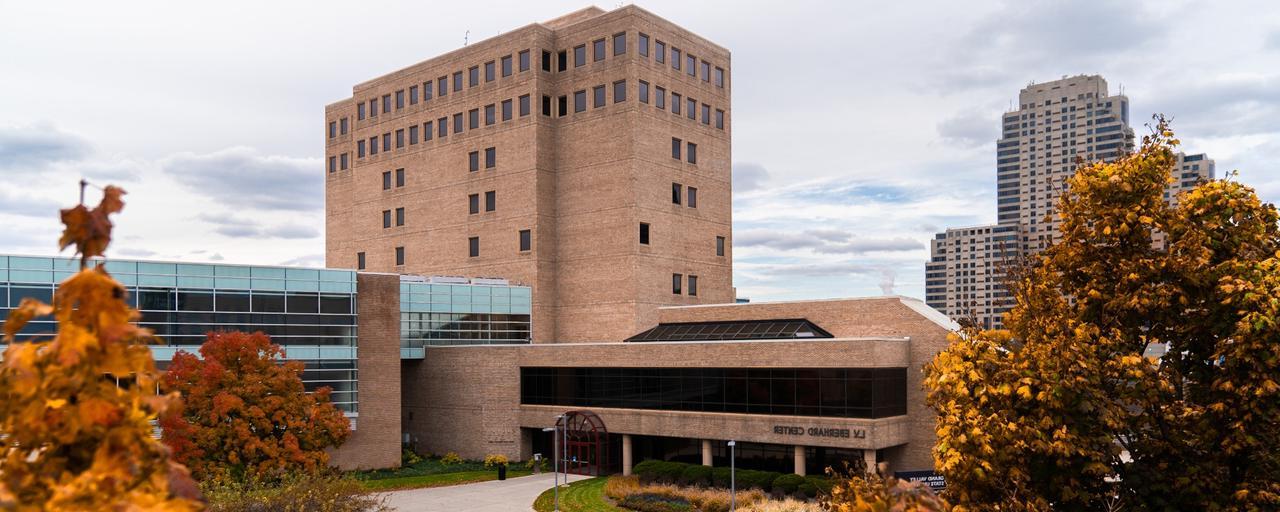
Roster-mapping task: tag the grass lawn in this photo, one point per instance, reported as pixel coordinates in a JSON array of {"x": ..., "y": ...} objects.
[
  {"x": 432, "y": 473},
  {"x": 581, "y": 496}
]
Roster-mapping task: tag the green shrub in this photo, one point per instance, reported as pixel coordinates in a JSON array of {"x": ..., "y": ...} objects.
[
  {"x": 696, "y": 474},
  {"x": 787, "y": 484},
  {"x": 647, "y": 470},
  {"x": 820, "y": 484},
  {"x": 656, "y": 502},
  {"x": 762, "y": 480},
  {"x": 450, "y": 459},
  {"x": 327, "y": 492},
  {"x": 409, "y": 458},
  {"x": 720, "y": 477},
  {"x": 669, "y": 472}
]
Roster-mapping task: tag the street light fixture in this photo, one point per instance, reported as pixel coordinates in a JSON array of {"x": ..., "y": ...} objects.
[
  {"x": 733, "y": 480},
  {"x": 555, "y": 459}
]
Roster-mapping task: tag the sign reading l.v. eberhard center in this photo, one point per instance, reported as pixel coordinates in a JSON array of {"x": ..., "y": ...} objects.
[{"x": 820, "y": 432}]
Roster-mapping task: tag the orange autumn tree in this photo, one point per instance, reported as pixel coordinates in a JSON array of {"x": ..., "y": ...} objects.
[
  {"x": 246, "y": 414},
  {"x": 75, "y": 411}
]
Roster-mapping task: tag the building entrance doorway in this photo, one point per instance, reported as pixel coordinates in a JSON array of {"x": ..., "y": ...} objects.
[{"x": 585, "y": 443}]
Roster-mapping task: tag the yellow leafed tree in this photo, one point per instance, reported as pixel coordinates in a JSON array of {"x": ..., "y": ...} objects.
[{"x": 76, "y": 411}]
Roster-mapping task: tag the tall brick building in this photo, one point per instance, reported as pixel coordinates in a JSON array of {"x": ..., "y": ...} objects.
[{"x": 587, "y": 156}]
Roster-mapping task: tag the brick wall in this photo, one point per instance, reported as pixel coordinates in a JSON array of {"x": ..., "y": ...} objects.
[{"x": 376, "y": 441}]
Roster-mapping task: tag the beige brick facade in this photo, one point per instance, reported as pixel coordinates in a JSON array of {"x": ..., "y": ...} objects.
[
  {"x": 581, "y": 182},
  {"x": 376, "y": 440}
]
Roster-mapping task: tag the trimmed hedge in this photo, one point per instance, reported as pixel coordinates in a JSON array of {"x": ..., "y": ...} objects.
[
  {"x": 787, "y": 484},
  {"x": 696, "y": 474}
]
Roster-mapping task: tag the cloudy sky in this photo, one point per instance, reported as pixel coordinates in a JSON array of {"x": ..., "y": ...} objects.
[{"x": 860, "y": 128}]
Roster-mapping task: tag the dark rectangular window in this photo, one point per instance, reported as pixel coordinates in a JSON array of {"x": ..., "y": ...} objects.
[
  {"x": 386, "y": 103},
  {"x": 386, "y": 180},
  {"x": 620, "y": 43},
  {"x": 442, "y": 84},
  {"x": 579, "y": 55},
  {"x": 400, "y": 216},
  {"x": 546, "y": 61},
  {"x": 693, "y": 285},
  {"x": 428, "y": 130},
  {"x": 706, "y": 113},
  {"x": 564, "y": 105},
  {"x": 490, "y": 114},
  {"x": 524, "y": 105},
  {"x": 342, "y": 126},
  {"x": 659, "y": 51},
  {"x": 373, "y": 146},
  {"x": 473, "y": 161},
  {"x": 400, "y": 177},
  {"x": 400, "y": 138},
  {"x": 642, "y": 47},
  {"x": 413, "y": 135},
  {"x": 526, "y": 240},
  {"x": 426, "y": 90},
  {"x": 400, "y": 255},
  {"x": 506, "y": 110},
  {"x": 675, "y": 57},
  {"x": 473, "y": 204},
  {"x": 490, "y": 201},
  {"x": 473, "y": 246},
  {"x": 333, "y": 129},
  {"x": 693, "y": 153},
  {"x": 399, "y": 99},
  {"x": 644, "y": 92},
  {"x": 693, "y": 197},
  {"x": 360, "y": 261},
  {"x": 691, "y": 65},
  {"x": 719, "y": 246},
  {"x": 473, "y": 76},
  {"x": 524, "y": 60},
  {"x": 546, "y": 105},
  {"x": 676, "y": 102},
  {"x": 386, "y": 219},
  {"x": 506, "y": 66},
  {"x": 677, "y": 191},
  {"x": 598, "y": 49},
  {"x": 490, "y": 158},
  {"x": 343, "y": 161},
  {"x": 386, "y": 141},
  {"x": 660, "y": 98},
  {"x": 473, "y": 119},
  {"x": 644, "y": 233},
  {"x": 692, "y": 111},
  {"x": 360, "y": 148},
  {"x": 457, "y": 81},
  {"x": 443, "y": 126},
  {"x": 676, "y": 281},
  {"x": 489, "y": 71},
  {"x": 579, "y": 101},
  {"x": 719, "y": 119},
  {"x": 620, "y": 91},
  {"x": 333, "y": 164},
  {"x": 597, "y": 94},
  {"x": 719, "y": 77},
  {"x": 706, "y": 71},
  {"x": 457, "y": 123},
  {"x": 675, "y": 147},
  {"x": 413, "y": 95},
  {"x": 360, "y": 111},
  {"x": 563, "y": 61},
  {"x": 373, "y": 107}
]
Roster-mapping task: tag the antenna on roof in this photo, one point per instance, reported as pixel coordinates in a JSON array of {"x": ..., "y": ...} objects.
[{"x": 465, "y": 37}]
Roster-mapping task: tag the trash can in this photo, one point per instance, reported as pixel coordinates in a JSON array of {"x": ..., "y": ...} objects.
[{"x": 502, "y": 471}]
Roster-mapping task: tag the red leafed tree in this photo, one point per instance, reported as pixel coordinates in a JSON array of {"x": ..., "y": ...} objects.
[{"x": 246, "y": 414}]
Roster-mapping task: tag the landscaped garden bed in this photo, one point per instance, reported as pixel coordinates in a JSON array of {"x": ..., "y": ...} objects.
[{"x": 449, "y": 469}]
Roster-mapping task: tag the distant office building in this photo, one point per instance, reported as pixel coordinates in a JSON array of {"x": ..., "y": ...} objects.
[
  {"x": 587, "y": 157},
  {"x": 1057, "y": 125}
]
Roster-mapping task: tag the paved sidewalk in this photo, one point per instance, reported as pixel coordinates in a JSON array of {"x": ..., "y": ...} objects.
[{"x": 516, "y": 494}]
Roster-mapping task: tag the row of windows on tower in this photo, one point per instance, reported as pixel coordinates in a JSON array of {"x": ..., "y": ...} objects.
[
  {"x": 440, "y": 127},
  {"x": 676, "y": 282},
  {"x": 680, "y": 60},
  {"x": 524, "y": 239},
  {"x": 644, "y": 238},
  {"x": 439, "y": 88},
  {"x": 680, "y": 105}
]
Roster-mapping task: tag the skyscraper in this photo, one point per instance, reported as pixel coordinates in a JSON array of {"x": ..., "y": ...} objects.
[
  {"x": 587, "y": 156},
  {"x": 1057, "y": 125}
]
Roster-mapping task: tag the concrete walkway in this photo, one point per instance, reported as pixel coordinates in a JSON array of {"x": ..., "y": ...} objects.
[{"x": 516, "y": 494}]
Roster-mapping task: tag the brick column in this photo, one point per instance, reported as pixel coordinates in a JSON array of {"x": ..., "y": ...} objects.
[
  {"x": 626, "y": 454},
  {"x": 800, "y": 461},
  {"x": 706, "y": 452},
  {"x": 869, "y": 457},
  {"x": 376, "y": 440}
]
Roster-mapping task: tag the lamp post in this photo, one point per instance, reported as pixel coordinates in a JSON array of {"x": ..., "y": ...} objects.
[
  {"x": 555, "y": 459},
  {"x": 733, "y": 480}
]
